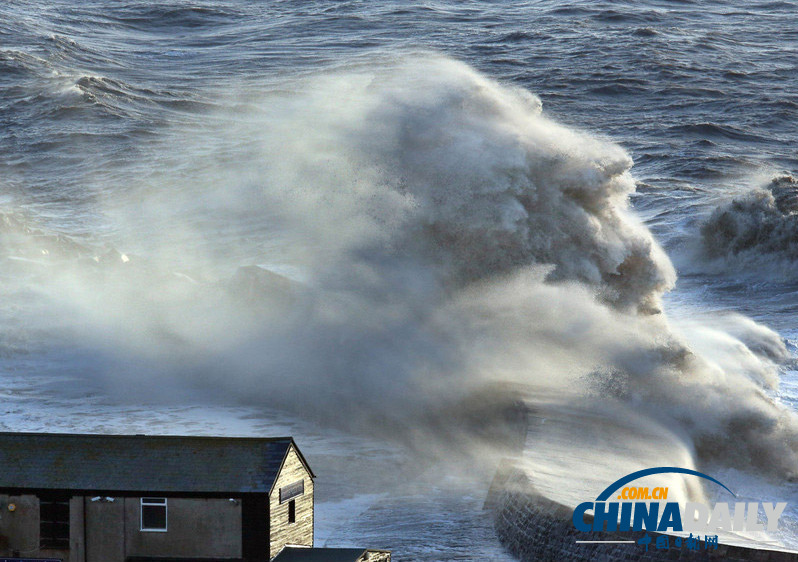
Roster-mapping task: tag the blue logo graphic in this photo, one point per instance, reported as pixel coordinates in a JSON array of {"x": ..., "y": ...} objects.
[{"x": 638, "y": 509}]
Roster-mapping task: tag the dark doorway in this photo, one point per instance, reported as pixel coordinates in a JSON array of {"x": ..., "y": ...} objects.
[
  {"x": 54, "y": 521},
  {"x": 255, "y": 527}
]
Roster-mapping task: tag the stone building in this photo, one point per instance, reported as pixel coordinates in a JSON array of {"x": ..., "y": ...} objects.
[{"x": 136, "y": 498}]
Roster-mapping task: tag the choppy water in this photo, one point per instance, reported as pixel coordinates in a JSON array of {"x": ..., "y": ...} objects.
[{"x": 342, "y": 145}]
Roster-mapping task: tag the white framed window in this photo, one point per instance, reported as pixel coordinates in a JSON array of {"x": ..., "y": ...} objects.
[{"x": 153, "y": 514}]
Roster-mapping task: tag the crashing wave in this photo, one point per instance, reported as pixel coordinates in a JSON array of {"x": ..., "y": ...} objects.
[
  {"x": 451, "y": 237},
  {"x": 762, "y": 223}
]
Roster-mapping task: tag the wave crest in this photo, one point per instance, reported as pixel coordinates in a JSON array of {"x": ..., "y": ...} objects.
[
  {"x": 759, "y": 226},
  {"x": 450, "y": 236}
]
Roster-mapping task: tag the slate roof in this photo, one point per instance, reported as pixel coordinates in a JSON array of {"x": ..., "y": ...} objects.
[
  {"x": 129, "y": 463},
  {"x": 303, "y": 554}
]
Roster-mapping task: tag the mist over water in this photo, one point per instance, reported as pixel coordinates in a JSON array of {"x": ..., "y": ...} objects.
[
  {"x": 401, "y": 243},
  {"x": 446, "y": 234}
]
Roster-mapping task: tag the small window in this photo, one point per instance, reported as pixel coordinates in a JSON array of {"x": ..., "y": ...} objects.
[
  {"x": 54, "y": 522},
  {"x": 153, "y": 514},
  {"x": 292, "y": 511}
]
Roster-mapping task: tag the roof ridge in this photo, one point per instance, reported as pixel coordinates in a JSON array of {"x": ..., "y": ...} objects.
[{"x": 144, "y": 436}]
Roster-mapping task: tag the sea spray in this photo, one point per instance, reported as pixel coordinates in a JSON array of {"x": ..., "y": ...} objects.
[
  {"x": 756, "y": 231},
  {"x": 448, "y": 236}
]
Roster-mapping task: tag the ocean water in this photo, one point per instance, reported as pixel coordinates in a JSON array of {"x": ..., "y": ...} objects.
[{"x": 589, "y": 205}]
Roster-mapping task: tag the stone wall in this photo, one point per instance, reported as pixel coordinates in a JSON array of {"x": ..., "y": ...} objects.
[
  {"x": 201, "y": 527},
  {"x": 19, "y": 525},
  {"x": 533, "y": 527},
  {"x": 198, "y": 527}
]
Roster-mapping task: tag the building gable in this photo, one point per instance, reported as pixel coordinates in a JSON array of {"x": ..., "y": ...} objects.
[{"x": 291, "y": 504}]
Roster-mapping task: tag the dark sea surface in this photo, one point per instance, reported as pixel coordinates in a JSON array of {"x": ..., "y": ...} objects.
[
  {"x": 701, "y": 94},
  {"x": 124, "y": 127}
]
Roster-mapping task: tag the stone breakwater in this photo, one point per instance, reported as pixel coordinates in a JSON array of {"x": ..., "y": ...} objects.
[{"x": 534, "y": 527}]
